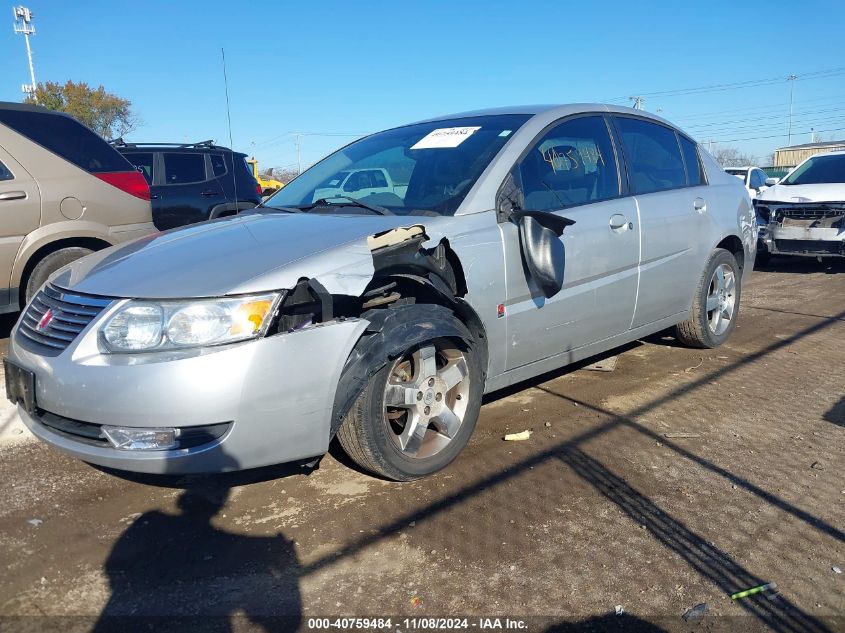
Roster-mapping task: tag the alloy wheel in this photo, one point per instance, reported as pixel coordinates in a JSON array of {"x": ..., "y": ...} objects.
[
  {"x": 721, "y": 299},
  {"x": 426, "y": 397}
]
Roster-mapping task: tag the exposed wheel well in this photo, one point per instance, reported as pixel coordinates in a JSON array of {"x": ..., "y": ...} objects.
[
  {"x": 734, "y": 245},
  {"x": 83, "y": 242},
  {"x": 413, "y": 288}
]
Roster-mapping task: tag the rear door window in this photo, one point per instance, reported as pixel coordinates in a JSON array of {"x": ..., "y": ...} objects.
[
  {"x": 218, "y": 164},
  {"x": 378, "y": 179},
  {"x": 143, "y": 162},
  {"x": 66, "y": 137},
  {"x": 5, "y": 174},
  {"x": 653, "y": 156},
  {"x": 695, "y": 172},
  {"x": 180, "y": 169}
]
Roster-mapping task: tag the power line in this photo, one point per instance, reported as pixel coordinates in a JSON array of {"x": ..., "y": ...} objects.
[
  {"x": 757, "y": 118},
  {"x": 805, "y": 120},
  {"x": 277, "y": 140},
  {"x": 769, "y": 106},
  {"x": 737, "y": 85},
  {"x": 755, "y": 138}
]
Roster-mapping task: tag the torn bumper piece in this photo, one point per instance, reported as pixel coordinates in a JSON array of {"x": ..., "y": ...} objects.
[
  {"x": 262, "y": 402},
  {"x": 808, "y": 229}
]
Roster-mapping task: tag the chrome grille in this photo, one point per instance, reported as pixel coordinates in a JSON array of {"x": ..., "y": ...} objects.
[{"x": 70, "y": 314}]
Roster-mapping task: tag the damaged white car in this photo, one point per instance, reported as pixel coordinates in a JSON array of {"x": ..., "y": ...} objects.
[
  {"x": 804, "y": 214},
  {"x": 511, "y": 242}
]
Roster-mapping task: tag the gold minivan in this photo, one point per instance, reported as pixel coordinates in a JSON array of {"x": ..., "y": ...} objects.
[{"x": 64, "y": 193}]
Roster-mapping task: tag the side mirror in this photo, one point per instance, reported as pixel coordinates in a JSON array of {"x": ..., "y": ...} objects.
[
  {"x": 771, "y": 182},
  {"x": 542, "y": 251}
]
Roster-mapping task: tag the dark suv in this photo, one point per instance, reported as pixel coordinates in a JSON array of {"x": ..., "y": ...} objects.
[{"x": 192, "y": 182}]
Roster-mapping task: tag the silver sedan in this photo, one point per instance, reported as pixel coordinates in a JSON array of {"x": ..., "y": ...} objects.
[{"x": 380, "y": 294}]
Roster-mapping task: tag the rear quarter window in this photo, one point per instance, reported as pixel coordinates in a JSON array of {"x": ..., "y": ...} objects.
[
  {"x": 653, "y": 156},
  {"x": 67, "y": 138},
  {"x": 695, "y": 172},
  {"x": 5, "y": 174},
  {"x": 218, "y": 164}
]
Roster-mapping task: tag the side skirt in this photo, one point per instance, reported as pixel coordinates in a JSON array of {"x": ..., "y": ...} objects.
[{"x": 568, "y": 357}]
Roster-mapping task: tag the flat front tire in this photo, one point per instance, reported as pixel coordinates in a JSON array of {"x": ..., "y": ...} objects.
[
  {"x": 715, "y": 307},
  {"x": 418, "y": 411}
]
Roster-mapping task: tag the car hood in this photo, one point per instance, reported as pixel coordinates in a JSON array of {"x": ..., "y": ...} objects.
[
  {"x": 828, "y": 192},
  {"x": 250, "y": 253}
]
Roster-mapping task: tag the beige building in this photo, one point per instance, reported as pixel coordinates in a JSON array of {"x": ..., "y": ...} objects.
[{"x": 794, "y": 154}]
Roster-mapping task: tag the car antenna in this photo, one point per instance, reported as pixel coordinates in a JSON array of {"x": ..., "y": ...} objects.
[{"x": 229, "y": 118}]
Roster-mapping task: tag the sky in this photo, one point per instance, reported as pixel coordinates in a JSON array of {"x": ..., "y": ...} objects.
[{"x": 324, "y": 72}]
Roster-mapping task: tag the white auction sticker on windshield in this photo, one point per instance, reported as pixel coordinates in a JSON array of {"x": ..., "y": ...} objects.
[{"x": 445, "y": 137}]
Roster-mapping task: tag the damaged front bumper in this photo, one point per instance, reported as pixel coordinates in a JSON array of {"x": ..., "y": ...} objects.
[
  {"x": 804, "y": 229},
  {"x": 250, "y": 404}
]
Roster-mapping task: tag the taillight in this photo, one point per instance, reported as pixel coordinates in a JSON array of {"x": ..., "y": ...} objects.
[
  {"x": 258, "y": 189},
  {"x": 132, "y": 182}
]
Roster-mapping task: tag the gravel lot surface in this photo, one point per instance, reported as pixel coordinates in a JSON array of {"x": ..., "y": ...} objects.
[{"x": 678, "y": 478}]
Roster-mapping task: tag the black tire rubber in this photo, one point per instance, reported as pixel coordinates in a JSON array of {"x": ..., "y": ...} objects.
[
  {"x": 49, "y": 264},
  {"x": 363, "y": 435},
  {"x": 695, "y": 331}
]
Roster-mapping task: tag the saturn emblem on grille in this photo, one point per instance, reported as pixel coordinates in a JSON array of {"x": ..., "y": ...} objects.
[{"x": 45, "y": 321}]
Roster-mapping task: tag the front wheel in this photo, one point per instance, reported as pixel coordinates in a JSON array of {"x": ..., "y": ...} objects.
[
  {"x": 418, "y": 411},
  {"x": 50, "y": 264},
  {"x": 716, "y": 304}
]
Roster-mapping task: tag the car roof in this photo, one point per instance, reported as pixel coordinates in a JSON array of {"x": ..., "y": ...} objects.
[
  {"x": 30, "y": 107},
  {"x": 166, "y": 147},
  {"x": 837, "y": 152},
  {"x": 554, "y": 110}
]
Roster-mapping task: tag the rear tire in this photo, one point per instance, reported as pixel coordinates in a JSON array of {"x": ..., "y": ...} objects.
[
  {"x": 715, "y": 307},
  {"x": 49, "y": 264},
  {"x": 418, "y": 411}
]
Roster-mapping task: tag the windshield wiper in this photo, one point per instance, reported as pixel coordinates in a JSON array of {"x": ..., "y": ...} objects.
[
  {"x": 271, "y": 207},
  {"x": 326, "y": 202}
]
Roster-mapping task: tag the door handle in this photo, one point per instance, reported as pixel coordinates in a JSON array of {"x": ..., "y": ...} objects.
[
  {"x": 618, "y": 221},
  {"x": 699, "y": 205},
  {"x": 13, "y": 195},
  {"x": 210, "y": 192}
]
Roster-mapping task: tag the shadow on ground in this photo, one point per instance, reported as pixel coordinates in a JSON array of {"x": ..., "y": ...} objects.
[{"x": 162, "y": 551}]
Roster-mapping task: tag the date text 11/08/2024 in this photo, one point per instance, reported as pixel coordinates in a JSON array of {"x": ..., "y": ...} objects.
[{"x": 419, "y": 624}]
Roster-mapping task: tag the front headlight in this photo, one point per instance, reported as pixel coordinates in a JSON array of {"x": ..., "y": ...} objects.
[{"x": 145, "y": 326}]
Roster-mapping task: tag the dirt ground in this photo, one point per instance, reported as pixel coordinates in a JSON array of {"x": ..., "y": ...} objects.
[{"x": 675, "y": 480}]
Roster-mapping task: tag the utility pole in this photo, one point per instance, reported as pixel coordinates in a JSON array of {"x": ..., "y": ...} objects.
[
  {"x": 638, "y": 102},
  {"x": 23, "y": 26},
  {"x": 297, "y": 139},
  {"x": 791, "y": 79}
]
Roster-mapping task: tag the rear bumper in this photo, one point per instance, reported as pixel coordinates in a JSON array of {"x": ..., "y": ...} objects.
[{"x": 274, "y": 396}]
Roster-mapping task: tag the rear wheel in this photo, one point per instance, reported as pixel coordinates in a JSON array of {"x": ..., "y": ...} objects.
[
  {"x": 716, "y": 304},
  {"x": 49, "y": 264},
  {"x": 417, "y": 412}
]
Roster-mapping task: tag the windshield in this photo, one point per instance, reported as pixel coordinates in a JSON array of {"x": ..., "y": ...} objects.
[
  {"x": 818, "y": 170},
  {"x": 421, "y": 169},
  {"x": 736, "y": 172}
]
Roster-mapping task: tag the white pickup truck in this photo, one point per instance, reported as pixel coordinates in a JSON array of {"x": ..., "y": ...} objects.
[{"x": 359, "y": 183}]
